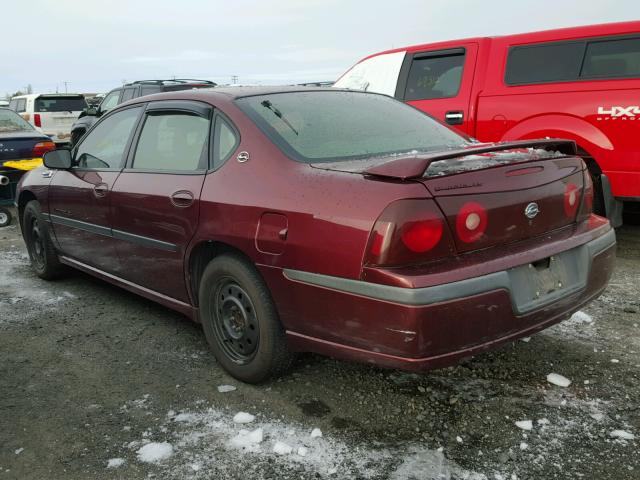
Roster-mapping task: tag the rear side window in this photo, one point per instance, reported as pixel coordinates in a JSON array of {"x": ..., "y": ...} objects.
[
  {"x": 225, "y": 141},
  {"x": 172, "y": 141},
  {"x": 128, "y": 93},
  {"x": 59, "y": 104},
  {"x": 19, "y": 105},
  {"x": 612, "y": 59},
  {"x": 149, "y": 89},
  {"x": 103, "y": 147},
  {"x": 434, "y": 76},
  {"x": 554, "y": 62}
]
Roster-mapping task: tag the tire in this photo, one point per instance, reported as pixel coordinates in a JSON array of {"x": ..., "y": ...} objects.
[
  {"x": 5, "y": 217},
  {"x": 44, "y": 259},
  {"x": 241, "y": 322}
]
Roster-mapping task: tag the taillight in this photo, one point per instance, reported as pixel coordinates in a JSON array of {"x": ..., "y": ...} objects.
[
  {"x": 586, "y": 208},
  {"x": 471, "y": 222},
  {"x": 409, "y": 232},
  {"x": 36, "y": 120},
  {"x": 39, "y": 149},
  {"x": 571, "y": 199}
]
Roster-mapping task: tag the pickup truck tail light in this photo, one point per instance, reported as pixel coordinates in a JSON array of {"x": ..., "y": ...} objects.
[
  {"x": 37, "y": 121},
  {"x": 409, "y": 232},
  {"x": 39, "y": 149}
]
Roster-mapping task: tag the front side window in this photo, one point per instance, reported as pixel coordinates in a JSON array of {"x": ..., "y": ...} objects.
[
  {"x": 329, "y": 126},
  {"x": 60, "y": 104},
  {"x": 432, "y": 77},
  {"x": 110, "y": 101},
  {"x": 103, "y": 147},
  {"x": 175, "y": 141},
  {"x": 128, "y": 94},
  {"x": 612, "y": 59},
  {"x": 554, "y": 62},
  {"x": 378, "y": 74}
]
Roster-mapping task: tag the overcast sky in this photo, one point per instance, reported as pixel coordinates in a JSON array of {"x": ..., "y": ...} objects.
[{"x": 95, "y": 46}]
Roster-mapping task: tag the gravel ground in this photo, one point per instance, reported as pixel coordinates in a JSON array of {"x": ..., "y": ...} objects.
[{"x": 99, "y": 383}]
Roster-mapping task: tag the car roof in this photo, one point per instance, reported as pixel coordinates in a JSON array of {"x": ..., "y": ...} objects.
[
  {"x": 36, "y": 95},
  {"x": 250, "y": 91}
]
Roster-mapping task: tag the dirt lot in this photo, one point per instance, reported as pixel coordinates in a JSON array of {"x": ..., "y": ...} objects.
[{"x": 96, "y": 383}]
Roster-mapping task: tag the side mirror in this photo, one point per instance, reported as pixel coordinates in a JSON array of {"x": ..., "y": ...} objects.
[
  {"x": 57, "y": 159},
  {"x": 91, "y": 111}
]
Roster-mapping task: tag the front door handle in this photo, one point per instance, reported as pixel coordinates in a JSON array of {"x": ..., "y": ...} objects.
[
  {"x": 101, "y": 189},
  {"x": 182, "y": 198},
  {"x": 454, "y": 117}
]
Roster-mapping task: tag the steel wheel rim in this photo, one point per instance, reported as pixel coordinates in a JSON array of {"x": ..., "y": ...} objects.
[
  {"x": 4, "y": 218},
  {"x": 234, "y": 321},
  {"x": 37, "y": 244}
]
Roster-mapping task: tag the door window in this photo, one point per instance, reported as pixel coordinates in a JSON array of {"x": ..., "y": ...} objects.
[
  {"x": 128, "y": 94},
  {"x": 434, "y": 76},
  {"x": 103, "y": 147},
  {"x": 110, "y": 101},
  {"x": 19, "y": 105},
  {"x": 225, "y": 141},
  {"x": 174, "y": 141}
]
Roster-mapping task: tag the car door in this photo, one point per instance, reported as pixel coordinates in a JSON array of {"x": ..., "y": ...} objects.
[
  {"x": 79, "y": 198},
  {"x": 439, "y": 83},
  {"x": 155, "y": 202}
]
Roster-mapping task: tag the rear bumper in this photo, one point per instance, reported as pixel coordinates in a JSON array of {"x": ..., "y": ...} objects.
[{"x": 434, "y": 326}]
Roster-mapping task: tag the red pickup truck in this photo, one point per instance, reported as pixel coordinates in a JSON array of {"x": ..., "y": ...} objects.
[{"x": 578, "y": 83}]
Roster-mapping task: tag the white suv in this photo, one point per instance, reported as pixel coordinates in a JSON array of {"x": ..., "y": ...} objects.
[{"x": 50, "y": 113}]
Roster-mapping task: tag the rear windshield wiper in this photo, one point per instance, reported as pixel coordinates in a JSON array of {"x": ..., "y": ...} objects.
[{"x": 278, "y": 113}]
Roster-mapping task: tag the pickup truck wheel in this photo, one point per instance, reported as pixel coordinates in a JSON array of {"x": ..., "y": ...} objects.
[
  {"x": 42, "y": 253},
  {"x": 240, "y": 320},
  {"x": 5, "y": 217}
]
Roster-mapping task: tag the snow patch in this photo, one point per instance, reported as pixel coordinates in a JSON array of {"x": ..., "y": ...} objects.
[
  {"x": 525, "y": 424},
  {"x": 226, "y": 388},
  {"x": 559, "y": 380},
  {"x": 316, "y": 433},
  {"x": 243, "y": 417},
  {"x": 282, "y": 448},
  {"x": 622, "y": 434},
  {"x": 115, "y": 462},
  {"x": 155, "y": 452}
]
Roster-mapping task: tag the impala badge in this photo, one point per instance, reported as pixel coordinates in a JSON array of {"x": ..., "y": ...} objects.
[{"x": 531, "y": 210}]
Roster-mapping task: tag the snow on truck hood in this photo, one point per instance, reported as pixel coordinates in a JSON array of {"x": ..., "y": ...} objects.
[{"x": 414, "y": 164}]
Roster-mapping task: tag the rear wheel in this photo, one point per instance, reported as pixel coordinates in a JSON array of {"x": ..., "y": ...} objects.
[
  {"x": 5, "y": 217},
  {"x": 42, "y": 253},
  {"x": 240, "y": 320}
]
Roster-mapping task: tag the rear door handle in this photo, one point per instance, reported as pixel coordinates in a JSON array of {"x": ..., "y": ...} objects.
[
  {"x": 454, "y": 117},
  {"x": 182, "y": 198},
  {"x": 101, "y": 189}
]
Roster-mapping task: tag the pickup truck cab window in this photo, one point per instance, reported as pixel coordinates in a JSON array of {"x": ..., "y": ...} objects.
[
  {"x": 617, "y": 58},
  {"x": 174, "y": 141},
  {"x": 435, "y": 75},
  {"x": 104, "y": 146}
]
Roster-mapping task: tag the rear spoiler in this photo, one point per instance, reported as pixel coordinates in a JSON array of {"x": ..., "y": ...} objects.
[{"x": 414, "y": 166}]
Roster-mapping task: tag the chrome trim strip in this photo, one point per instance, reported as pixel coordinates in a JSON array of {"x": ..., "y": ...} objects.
[{"x": 449, "y": 291}]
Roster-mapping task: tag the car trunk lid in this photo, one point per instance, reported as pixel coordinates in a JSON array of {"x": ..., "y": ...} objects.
[{"x": 18, "y": 145}]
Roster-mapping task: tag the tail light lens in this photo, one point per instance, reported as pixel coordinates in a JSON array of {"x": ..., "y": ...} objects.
[
  {"x": 409, "y": 232},
  {"x": 471, "y": 222},
  {"x": 39, "y": 149},
  {"x": 571, "y": 199},
  {"x": 586, "y": 208},
  {"x": 36, "y": 120}
]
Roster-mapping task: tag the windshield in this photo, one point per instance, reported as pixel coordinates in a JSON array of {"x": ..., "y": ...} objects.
[
  {"x": 12, "y": 122},
  {"x": 329, "y": 126},
  {"x": 60, "y": 104}
]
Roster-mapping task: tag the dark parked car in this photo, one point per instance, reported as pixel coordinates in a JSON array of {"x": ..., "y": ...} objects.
[
  {"x": 127, "y": 92},
  {"x": 332, "y": 221}
]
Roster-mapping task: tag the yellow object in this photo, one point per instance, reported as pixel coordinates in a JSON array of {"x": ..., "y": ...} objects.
[{"x": 25, "y": 165}]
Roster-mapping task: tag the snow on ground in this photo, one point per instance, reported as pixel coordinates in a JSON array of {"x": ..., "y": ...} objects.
[
  {"x": 115, "y": 462},
  {"x": 203, "y": 444},
  {"x": 16, "y": 291},
  {"x": 559, "y": 380},
  {"x": 580, "y": 325}
]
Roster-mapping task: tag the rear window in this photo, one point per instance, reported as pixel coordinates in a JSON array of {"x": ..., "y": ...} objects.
[
  {"x": 12, "y": 122},
  {"x": 612, "y": 58},
  {"x": 59, "y": 104},
  {"x": 599, "y": 58},
  {"x": 555, "y": 62},
  {"x": 335, "y": 126}
]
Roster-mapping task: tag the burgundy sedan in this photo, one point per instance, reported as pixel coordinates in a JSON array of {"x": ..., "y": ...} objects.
[{"x": 331, "y": 221}]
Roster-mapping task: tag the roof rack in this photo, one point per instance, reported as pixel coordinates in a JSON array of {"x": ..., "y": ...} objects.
[{"x": 172, "y": 80}]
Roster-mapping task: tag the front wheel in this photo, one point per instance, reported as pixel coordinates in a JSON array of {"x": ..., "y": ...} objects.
[
  {"x": 42, "y": 253},
  {"x": 240, "y": 320}
]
